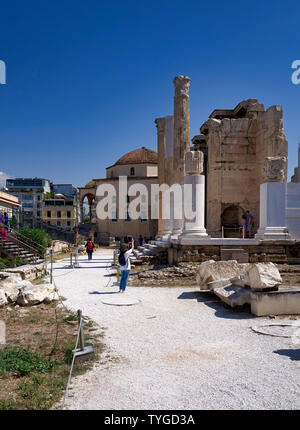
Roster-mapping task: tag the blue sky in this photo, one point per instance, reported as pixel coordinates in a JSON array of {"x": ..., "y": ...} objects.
[{"x": 85, "y": 80}]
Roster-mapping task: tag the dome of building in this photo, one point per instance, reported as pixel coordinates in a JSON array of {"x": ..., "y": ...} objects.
[{"x": 139, "y": 156}]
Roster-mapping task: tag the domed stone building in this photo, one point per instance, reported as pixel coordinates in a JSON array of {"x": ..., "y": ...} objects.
[{"x": 139, "y": 167}]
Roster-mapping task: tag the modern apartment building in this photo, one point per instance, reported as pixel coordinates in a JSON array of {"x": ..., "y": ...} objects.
[
  {"x": 30, "y": 192},
  {"x": 61, "y": 207}
]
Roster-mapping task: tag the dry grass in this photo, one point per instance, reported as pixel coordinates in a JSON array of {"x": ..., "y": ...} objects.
[{"x": 35, "y": 329}]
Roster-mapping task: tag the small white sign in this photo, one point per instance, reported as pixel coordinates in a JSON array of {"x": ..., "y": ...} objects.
[{"x": 2, "y": 333}]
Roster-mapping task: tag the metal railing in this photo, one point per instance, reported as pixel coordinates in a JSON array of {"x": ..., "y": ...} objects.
[{"x": 21, "y": 243}]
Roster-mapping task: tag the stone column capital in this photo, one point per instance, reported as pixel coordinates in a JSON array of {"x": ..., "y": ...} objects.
[
  {"x": 274, "y": 169},
  {"x": 160, "y": 124},
  {"x": 194, "y": 162},
  {"x": 182, "y": 85}
]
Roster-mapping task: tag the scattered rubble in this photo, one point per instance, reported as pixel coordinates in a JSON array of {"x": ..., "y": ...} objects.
[
  {"x": 28, "y": 271},
  {"x": 211, "y": 270},
  {"x": 15, "y": 289},
  {"x": 256, "y": 284},
  {"x": 263, "y": 276},
  {"x": 165, "y": 274}
]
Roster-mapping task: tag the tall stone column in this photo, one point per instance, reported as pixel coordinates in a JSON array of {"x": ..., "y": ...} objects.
[
  {"x": 81, "y": 212},
  {"x": 181, "y": 137},
  {"x": 272, "y": 212},
  {"x": 161, "y": 149},
  {"x": 194, "y": 230},
  {"x": 165, "y": 129}
]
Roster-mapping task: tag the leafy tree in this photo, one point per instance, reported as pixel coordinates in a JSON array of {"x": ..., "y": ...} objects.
[{"x": 36, "y": 235}]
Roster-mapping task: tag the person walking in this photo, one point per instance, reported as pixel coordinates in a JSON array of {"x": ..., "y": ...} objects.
[
  {"x": 124, "y": 261},
  {"x": 90, "y": 249}
]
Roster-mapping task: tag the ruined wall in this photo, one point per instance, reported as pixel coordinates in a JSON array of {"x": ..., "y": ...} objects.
[{"x": 238, "y": 141}]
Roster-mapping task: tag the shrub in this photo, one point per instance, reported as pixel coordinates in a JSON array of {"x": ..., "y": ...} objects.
[
  {"x": 9, "y": 262},
  {"x": 36, "y": 235},
  {"x": 22, "y": 361}
]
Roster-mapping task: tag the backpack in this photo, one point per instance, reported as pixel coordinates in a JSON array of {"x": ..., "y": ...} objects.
[
  {"x": 90, "y": 246},
  {"x": 122, "y": 260}
]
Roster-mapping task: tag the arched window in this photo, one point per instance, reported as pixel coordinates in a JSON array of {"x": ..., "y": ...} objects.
[{"x": 132, "y": 172}]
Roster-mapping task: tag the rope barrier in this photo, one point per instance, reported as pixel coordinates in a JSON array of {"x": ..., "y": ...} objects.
[{"x": 72, "y": 365}]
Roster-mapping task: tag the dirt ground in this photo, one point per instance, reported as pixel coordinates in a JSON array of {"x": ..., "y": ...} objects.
[
  {"x": 184, "y": 274},
  {"x": 52, "y": 332}
]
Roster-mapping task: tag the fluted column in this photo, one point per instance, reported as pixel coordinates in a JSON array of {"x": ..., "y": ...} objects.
[
  {"x": 161, "y": 147},
  {"x": 181, "y": 136}
]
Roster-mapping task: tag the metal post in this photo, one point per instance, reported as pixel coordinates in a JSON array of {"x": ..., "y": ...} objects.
[
  {"x": 222, "y": 232},
  {"x": 79, "y": 313},
  {"x": 51, "y": 267},
  {"x": 83, "y": 352}
]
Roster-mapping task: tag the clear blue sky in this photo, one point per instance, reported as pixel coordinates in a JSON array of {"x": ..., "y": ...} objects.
[{"x": 85, "y": 80}]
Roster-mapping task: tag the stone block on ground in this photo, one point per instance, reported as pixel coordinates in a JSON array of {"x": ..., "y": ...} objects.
[
  {"x": 9, "y": 278},
  {"x": 241, "y": 281},
  {"x": 263, "y": 276},
  {"x": 211, "y": 270},
  {"x": 218, "y": 284},
  {"x": 233, "y": 295},
  {"x": 28, "y": 271},
  {"x": 285, "y": 301},
  {"x": 8, "y": 285},
  {"x": 51, "y": 298},
  {"x": 34, "y": 294},
  {"x": 3, "y": 299}
]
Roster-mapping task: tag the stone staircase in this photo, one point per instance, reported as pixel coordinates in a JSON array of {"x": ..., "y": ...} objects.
[
  {"x": 14, "y": 247},
  {"x": 147, "y": 253}
]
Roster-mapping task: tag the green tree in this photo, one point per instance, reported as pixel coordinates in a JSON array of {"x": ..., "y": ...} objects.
[{"x": 35, "y": 235}]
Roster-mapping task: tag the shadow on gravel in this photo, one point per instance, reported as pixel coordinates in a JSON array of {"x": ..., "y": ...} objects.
[
  {"x": 222, "y": 310},
  {"x": 293, "y": 354},
  {"x": 100, "y": 292},
  {"x": 85, "y": 260}
]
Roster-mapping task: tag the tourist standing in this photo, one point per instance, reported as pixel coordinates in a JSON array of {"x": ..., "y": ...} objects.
[
  {"x": 90, "y": 249},
  {"x": 250, "y": 223},
  {"x": 243, "y": 226},
  {"x": 124, "y": 261}
]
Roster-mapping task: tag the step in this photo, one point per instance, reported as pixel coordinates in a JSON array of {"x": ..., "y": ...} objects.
[{"x": 148, "y": 252}]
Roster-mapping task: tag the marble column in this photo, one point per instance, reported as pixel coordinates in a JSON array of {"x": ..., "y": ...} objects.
[
  {"x": 161, "y": 147},
  {"x": 273, "y": 194},
  {"x": 181, "y": 137},
  {"x": 166, "y": 177},
  {"x": 194, "y": 230}
]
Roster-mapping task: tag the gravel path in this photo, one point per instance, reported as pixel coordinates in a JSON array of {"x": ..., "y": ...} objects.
[{"x": 177, "y": 349}]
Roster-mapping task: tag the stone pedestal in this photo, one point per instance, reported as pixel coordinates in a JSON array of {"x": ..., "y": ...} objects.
[
  {"x": 168, "y": 227},
  {"x": 177, "y": 223},
  {"x": 272, "y": 212},
  {"x": 194, "y": 201},
  {"x": 195, "y": 230}
]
